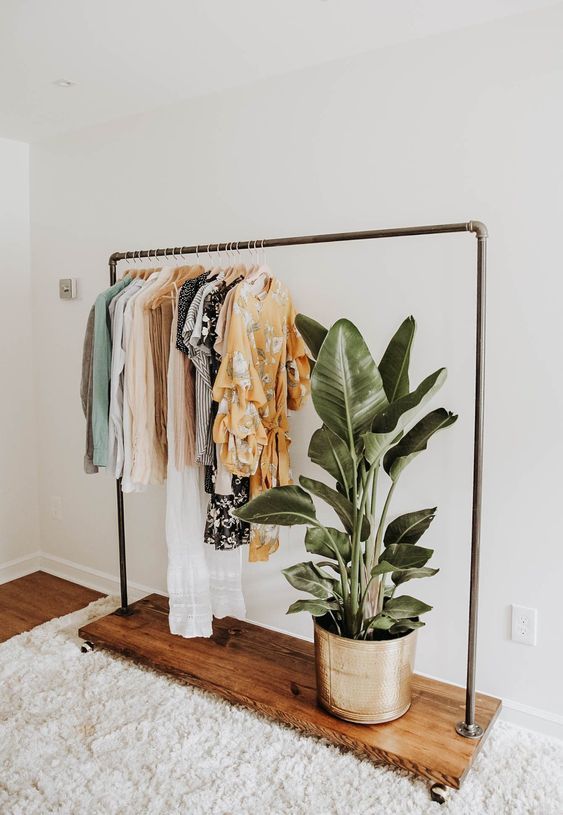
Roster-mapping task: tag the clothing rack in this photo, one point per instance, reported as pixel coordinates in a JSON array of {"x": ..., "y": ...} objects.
[{"x": 469, "y": 727}]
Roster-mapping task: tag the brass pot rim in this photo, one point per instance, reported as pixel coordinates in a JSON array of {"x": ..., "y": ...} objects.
[{"x": 377, "y": 645}]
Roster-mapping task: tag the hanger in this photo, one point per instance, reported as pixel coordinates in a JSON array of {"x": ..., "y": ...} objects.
[
  {"x": 262, "y": 270},
  {"x": 216, "y": 270},
  {"x": 246, "y": 269},
  {"x": 256, "y": 258},
  {"x": 237, "y": 270},
  {"x": 132, "y": 273}
]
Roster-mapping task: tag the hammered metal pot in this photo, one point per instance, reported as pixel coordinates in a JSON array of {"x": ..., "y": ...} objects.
[{"x": 366, "y": 682}]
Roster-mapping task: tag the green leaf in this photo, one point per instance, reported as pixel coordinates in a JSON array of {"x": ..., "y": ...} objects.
[
  {"x": 405, "y": 625},
  {"x": 335, "y": 582},
  {"x": 383, "y": 568},
  {"x": 286, "y": 506},
  {"x": 415, "y": 441},
  {"x": 346, "y": 386},
  {"x": 318, "y": 608},
  {"x": 341, "y": 505},
  {"x": 329, "y": 451},
  {"x": 377, "y": 444},
  {"x": 406, "y": 556},
  {"x": 394, "y": 365},
  {"x": 304, "y": 577},
  {"x": 332, "y": 564},
  {"x": 389, "y": 424},
  {"x": 323, "y": 540},
  {"x": 401, "y": 607},
  {"x": 312, "y": 332},
  {"x": 410, "y": 527},
  {"x": 411, "y": 574},
  {"x": 381, "y": 622}
]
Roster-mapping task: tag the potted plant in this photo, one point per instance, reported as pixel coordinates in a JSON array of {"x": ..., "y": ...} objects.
[{"x": 365, "y": 628}]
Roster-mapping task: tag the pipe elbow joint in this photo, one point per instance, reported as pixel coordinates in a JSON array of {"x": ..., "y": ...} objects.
[{"x": 479, "y": 229}]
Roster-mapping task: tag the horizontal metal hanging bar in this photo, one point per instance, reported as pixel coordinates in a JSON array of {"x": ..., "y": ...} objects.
[{"x": 331, "y": 237}]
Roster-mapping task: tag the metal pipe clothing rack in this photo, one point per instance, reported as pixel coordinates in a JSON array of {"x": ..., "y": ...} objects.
[{"x": 469, "y": 727}]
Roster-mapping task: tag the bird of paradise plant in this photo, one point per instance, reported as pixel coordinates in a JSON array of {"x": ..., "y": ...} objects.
[{"x": 368, "y": 433}]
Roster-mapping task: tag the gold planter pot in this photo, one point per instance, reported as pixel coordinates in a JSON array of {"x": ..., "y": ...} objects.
[{"x": 366, "y": 682}]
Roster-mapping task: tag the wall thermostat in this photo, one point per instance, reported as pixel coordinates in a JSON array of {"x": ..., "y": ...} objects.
[{"x": 67, "y": 288}]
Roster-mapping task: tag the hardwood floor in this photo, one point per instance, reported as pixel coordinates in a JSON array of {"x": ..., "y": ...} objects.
[{"x": 36, "y": 598}]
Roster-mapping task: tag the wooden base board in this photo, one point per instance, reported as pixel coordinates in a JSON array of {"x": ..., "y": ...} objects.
[{"x": 274, "y": 674}]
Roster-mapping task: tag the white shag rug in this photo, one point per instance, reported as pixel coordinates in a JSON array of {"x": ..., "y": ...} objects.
[{"x": 93, "y": 734}]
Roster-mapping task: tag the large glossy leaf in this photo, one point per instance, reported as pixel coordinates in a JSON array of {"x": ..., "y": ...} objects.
[
  {"x": 390, "y": 423},
  {"x": 377, "y": 444},
  {"x": 415, "y": 441},
  {"x": 406, "y": 556},
  {"x": 410, "y": 527},
  {"x": 304, "y": 577},
  {"x": 411, "y": 574},
  {"x": 312, "y": 332},
  {"x": 397, "y": 415},
  {"x": 405, "y": 606},
  {"x": 318, "y": 608},
  {"x": 286, "y": 506},
  {"x": 394, "y": 365},
  {"x": 332, "y": 454},
  {"x": 346, "y": 386},
  {"x": 323, "y": 541},
  {"x": 341, "y": 505}
]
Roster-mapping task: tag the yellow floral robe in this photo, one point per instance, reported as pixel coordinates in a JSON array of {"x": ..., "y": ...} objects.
[{"x": 264, "y": 372}]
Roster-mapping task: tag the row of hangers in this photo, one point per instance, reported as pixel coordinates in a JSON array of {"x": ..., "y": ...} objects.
[{"x": 257, "y": 272}]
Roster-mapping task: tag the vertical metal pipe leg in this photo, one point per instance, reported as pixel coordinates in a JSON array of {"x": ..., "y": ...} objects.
[
  {"x": 124, "y": 610},
  {"x": 469, "y": 728}
]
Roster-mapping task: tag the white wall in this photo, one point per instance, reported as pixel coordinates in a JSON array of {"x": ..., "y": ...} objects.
[
  {"x": 464, "y": 125},
  {"x": 18, "y": 453}
]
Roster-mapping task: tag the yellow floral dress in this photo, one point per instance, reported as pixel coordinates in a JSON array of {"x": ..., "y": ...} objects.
[{"x": 264, "y": 372}]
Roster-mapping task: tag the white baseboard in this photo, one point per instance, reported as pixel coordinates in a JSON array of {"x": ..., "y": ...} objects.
[
  {"x": 532, "y": 718},
  {"x": 19, "y": 567},
  {"x": 92, "y": 578}
]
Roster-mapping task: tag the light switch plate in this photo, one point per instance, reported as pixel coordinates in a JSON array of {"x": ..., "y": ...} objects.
[{"x": 67, "y": 288}]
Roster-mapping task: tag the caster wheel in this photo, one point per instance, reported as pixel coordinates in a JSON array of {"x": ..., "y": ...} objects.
[
  {"x": 439, "y": 793},
  {"x": 87, "y": 646}
]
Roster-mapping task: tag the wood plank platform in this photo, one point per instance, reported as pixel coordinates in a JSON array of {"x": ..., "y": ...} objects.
[{"x": 274, "y": 674}]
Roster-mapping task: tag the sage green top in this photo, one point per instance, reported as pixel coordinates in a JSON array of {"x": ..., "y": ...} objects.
[{"x": 102, "y": 372}]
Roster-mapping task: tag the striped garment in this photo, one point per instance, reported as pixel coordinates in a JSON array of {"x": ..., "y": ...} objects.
[{"x": 201, "y": 362}]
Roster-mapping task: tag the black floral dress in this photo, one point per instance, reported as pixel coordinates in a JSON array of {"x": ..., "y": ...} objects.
[{"x": 222, "y": 530}]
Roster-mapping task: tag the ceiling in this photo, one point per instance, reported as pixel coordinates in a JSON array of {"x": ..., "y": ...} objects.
[{"x": 129, "y": 56}]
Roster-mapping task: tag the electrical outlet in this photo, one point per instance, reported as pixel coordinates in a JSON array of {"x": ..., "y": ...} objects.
[
  {"x": 57, "y": 507},
  {"x": 524, "y": 625}
]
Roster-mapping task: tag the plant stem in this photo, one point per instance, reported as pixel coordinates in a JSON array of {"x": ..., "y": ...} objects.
[
  {"x": 370, "y": 545},
  {"x": 378, "y": 542},
  {"x": 381, "y": 527},
  {"x": 358, "y": 564},
  {"x": 335, "y": 621},
  {"x": 344, "y": 580},
  {"x": 354, "y": 567}
]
